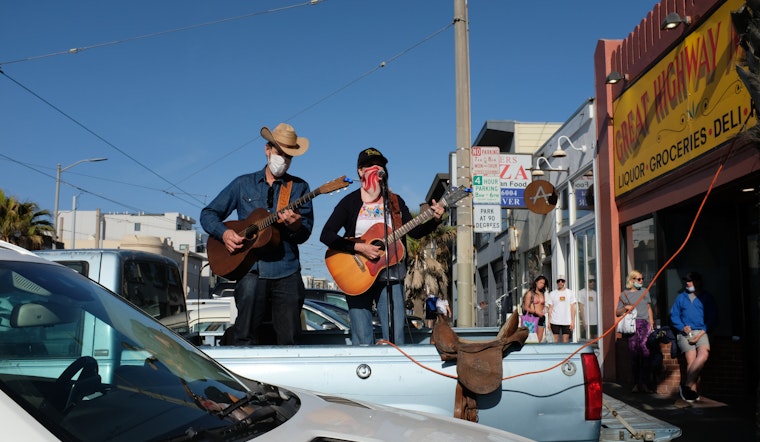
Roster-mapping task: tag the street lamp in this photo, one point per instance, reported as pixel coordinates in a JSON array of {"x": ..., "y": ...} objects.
[{"x": 58, "y": 188}]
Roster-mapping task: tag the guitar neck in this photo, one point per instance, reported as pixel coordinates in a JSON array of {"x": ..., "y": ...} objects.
[
  {"x": 418, "y": 220},
  {"x": 449, "y": 198},
  {"x": 271, "y": 219}
]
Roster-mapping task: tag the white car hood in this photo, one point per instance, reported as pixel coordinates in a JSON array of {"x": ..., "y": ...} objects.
[{"x": 326, "y": 416}]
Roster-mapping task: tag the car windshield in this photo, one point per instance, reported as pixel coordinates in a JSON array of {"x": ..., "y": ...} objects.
[{"x": 93, "y": 367}]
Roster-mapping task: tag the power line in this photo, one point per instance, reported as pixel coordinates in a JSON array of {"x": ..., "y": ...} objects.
[
  {"x": 208, "y": 165},
  {"x": 90, "y": 131},
  {"x": 160, "y": 33},
  {"x": 326, "y": 97},
  {"x": 67, "y": 183}
]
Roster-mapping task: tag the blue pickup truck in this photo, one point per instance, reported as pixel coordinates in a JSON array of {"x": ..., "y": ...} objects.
[{"x": 548, "y": 392}]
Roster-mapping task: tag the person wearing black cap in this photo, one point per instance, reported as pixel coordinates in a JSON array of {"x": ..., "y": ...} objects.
[
  {"x": 273, "y": 283},
  {"x": 693, "y": 314},
  {"x": 358, "y": 214}
]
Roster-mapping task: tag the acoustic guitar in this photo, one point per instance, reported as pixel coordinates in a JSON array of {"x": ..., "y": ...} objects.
[
  {"x": 354, "y": 273},
  {"x": 258, "y": 233}
]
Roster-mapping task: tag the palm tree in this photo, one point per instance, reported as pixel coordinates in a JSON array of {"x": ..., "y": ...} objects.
[
  {"x": 428, "y": 263},
  {"x": 23, "y": 224}
]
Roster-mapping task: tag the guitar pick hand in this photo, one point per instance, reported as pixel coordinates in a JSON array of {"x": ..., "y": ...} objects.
[
  {"x": 370, "y": 251},
  {"x": 232, "y": 241}
]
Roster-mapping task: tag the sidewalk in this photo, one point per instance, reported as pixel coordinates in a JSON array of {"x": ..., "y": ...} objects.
[{"x": 703, "y": 420}]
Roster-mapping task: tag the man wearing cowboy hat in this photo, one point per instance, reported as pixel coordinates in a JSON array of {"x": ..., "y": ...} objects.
[{"x": 274, "y": 281}]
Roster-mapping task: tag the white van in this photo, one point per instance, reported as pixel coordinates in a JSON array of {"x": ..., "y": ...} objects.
[{"x": 150, "y": 281}]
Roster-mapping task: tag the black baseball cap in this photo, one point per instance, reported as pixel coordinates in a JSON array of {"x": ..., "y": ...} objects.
[{"x": 370, "y": 157}]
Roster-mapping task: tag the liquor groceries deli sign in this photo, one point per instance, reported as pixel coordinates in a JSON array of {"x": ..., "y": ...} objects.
[{"x": 690, "y": 102}]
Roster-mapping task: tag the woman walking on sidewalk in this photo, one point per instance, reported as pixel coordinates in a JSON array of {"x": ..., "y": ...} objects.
[{"x": 637, "y": 342}]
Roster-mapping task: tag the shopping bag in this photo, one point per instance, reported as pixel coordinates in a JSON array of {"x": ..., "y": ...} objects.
[{"x": 627, "y": 325}]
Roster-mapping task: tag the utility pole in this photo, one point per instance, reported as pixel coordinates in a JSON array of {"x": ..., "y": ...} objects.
[{"x": 465, "y": 273}]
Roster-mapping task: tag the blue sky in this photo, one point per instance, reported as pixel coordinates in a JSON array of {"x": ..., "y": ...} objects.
[{"x": 174, "y": 92}]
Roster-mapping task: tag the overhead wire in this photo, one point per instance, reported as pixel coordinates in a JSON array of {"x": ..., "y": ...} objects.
[
  {"x": 83, "y": 190},
  {"x": 160, "y": 33},
  {"x": 98, "y": 136},
  {"x": 324, "y": 98},
  {"x": 221, "y": 158}
]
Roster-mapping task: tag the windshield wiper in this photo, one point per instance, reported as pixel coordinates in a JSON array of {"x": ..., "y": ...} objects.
[{"x": 270, "y": 397}]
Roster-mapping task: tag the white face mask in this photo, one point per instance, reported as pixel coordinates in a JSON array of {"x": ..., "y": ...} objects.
[
  {"x": 637, "y": 285},
  {"x": 690, "y": 289},
  {"x": 278, "y": 165}
]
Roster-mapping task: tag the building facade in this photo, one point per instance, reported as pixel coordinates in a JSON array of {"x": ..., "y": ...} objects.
[
  {"x": 679, "y": 182},
  {"x": 497, "y": 266},
  {"x": 563, "y": 241}
]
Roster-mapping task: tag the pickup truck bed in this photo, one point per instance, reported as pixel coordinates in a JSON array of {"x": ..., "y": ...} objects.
[{"x": 547, "y": 406}]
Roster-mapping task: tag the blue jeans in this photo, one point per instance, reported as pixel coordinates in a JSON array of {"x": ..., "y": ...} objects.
[
  {"x": 256, "y": 298},
  {"x": 360, "y": 314}
]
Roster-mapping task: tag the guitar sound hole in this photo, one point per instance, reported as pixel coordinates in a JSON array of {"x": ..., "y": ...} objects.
[
  {"x": 251, "y": 233},
  {"x": 380, "y": 244}
]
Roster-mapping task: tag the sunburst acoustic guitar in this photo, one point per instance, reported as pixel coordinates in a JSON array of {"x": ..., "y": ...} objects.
[{"x": 354, "y": 273}]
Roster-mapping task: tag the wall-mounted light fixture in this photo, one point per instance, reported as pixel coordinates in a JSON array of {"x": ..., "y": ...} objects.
[
  {"x": 615, "y": 77},
  {"x": 674, "y": 20},
  {"x": 559, "y": 153},
  {"x": 538, "y": 171}
]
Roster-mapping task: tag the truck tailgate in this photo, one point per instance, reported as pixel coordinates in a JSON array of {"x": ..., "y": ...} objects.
[{"x": 647, "y": 427}]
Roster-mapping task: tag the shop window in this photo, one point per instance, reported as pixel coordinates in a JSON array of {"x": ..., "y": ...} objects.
[
  {"x": 583, "y": 189},
  {"x": 564, "y": 208},
  {"x": 639, "y": 254},
  {"x": 483, "y": 271},
  {"x": 588, "y": 299},
  {"x": 482, "y": 239},
  {"x": 498, "y": 276}
]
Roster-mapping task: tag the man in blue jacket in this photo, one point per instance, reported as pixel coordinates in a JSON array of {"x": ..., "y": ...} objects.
[
  {"x": 273, "y": 283},
  {"x": 694, "y": 312}
]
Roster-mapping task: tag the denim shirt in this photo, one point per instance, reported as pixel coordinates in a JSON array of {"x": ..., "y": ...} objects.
[{"x": 249, "y": 192}]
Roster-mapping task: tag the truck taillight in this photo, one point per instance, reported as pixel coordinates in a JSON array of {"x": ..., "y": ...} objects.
[{"x": 592, "y": 376}]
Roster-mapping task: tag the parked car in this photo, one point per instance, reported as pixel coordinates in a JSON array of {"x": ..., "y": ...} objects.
[
  {"x": 210, "y": 318},
  {"x": 338, "y": 298},
  {"x": 323, "y": 316},
  {"x": 223, "y": 289},
  {"x": 79, "y": 363},
  {"x": 335, "y": 297}
]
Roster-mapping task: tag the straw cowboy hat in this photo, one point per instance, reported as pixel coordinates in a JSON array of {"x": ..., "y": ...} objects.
[{"x": 284, "y": 137}]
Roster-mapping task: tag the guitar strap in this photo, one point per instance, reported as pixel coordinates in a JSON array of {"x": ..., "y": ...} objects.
[
  {"x": 395, "y": 211},
  {"x": 284, "y": 199}
]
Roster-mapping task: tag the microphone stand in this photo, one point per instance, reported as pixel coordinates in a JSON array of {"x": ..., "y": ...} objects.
[{"x": 388, "y": 293}]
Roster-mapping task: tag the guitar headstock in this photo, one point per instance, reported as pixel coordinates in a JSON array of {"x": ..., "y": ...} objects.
[
  {"x": 336, "y": 184},
  {"x": 454, "y": 195}
]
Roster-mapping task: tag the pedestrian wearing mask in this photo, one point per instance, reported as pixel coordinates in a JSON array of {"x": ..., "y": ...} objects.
[
  {"x": 693, "y": 314},
  {"x": 637, "y": 342}
]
